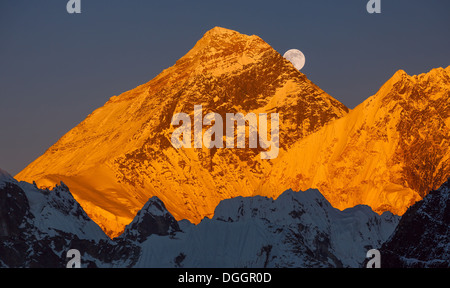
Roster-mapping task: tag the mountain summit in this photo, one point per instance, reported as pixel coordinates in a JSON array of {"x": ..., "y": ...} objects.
[
  {"x": 388, "y": 152},
  {"x": 121, "y": 155}
]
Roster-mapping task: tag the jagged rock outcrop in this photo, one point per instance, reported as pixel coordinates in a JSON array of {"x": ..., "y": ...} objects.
[
  {"x": 152, "y": 219},
  {"x": 38, "y": 228},
  {"x": 421, "y": 239}
]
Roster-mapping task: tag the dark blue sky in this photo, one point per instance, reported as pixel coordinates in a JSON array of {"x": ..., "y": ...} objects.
[{"x": 56, "y": 68}]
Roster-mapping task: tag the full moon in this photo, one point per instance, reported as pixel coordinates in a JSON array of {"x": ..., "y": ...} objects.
[{"x": 296, "y": 57}]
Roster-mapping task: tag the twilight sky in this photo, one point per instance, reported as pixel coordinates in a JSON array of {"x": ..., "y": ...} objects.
[{"x": 56, "y": 68}]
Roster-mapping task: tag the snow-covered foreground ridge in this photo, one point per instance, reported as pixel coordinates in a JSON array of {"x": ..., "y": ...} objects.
[{"x": 298, "y": 229}]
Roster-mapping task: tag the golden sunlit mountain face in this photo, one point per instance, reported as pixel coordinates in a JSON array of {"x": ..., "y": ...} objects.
[
  {"x": 387, "y": 153},
  {"x": 121, "y": 154}
]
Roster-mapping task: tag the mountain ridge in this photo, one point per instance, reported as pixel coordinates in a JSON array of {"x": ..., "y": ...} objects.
[
  {"x": 387, "y": 153},
  {"x": 121, "y": 154},
  {"x": 299, "y": 229}
]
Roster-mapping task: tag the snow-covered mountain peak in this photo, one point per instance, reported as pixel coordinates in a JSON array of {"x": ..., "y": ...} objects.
[
  {"x": 153, "y": 218},
  {"x": 298, "y": 229},
  {"x": 418, "y": 89},
  {"x": 400, "y": 75},
  {"x": 5, "y": 177},
  {"x": 290, "y": 204},
  {"x": 121, "y": 154},
  {"x": 219, "y": 31}
]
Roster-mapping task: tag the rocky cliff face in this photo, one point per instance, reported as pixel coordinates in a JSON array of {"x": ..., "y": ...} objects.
[
  {"x": 121, "y": 154},
  {"x": 152, "y": 219},
  {"x": 387, "y": 153},
  {"x": 38, "y": 227},
  {"x": 421, "y": 239}
]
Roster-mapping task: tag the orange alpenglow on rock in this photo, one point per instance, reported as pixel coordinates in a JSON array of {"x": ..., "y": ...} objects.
[
  {"x": 121, "y": 154},
  {"x": 388, "y": 152}
]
